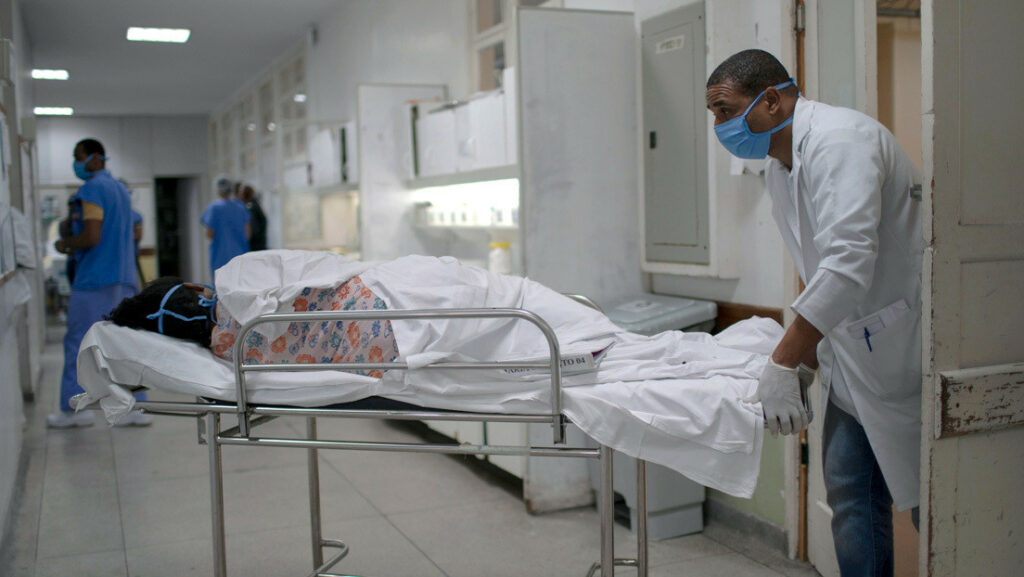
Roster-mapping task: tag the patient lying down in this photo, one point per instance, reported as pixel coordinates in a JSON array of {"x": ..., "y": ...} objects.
[
  {"x": 675, "y": 398},
  {"x": 189, "y": 311}
]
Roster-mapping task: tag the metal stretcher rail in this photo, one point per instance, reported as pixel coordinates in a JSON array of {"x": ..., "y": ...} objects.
[
  {"x": 250, "y": 416},
  {"x": 554, "y": 364}
]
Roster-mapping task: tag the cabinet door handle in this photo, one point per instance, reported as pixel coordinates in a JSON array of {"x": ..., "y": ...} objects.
[{"x": 654, "y": 140}]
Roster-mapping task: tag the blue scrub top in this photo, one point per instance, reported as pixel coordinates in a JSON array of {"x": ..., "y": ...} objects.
[
  {"x": 112, "y": 261},
  {"x": 227, "y": 219}
]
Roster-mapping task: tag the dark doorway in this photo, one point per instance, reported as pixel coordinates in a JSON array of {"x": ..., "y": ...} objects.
[{"x": 168, "y": 230}]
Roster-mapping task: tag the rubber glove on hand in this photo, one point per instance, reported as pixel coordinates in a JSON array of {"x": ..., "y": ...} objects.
[
  {"x": 778, "y": 391},
  {"x": 806, "y": 376}
]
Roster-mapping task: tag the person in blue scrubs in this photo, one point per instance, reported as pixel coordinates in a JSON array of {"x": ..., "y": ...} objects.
[
  {"x": 103, "y": 248},
  {"x": 227, "y": 226}
]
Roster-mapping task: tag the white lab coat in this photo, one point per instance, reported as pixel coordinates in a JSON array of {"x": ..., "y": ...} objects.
[{"x": 849, "y": 213}]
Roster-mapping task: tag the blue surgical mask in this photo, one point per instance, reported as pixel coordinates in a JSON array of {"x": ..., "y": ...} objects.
[
  {"x": 736, "y": 137},
  {"x": 80, "y": 170},
  {"x": 210, "y": 304}
]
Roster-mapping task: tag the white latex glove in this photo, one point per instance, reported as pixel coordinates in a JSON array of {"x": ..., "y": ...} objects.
[
  {"x": 806, "y": 375},
  {"x": 778, "y": 391}
]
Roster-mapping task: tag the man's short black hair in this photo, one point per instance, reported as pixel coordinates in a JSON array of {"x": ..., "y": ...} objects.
[
  {"x": 751, "y": 71},
  {"x": 91, "y": 146}
]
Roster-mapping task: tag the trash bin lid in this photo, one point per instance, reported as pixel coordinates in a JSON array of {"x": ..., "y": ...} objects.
[{"x": 649, "y": 314}]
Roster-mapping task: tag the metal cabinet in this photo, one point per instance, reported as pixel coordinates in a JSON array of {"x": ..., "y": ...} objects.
[{"x": 675, "y": 138}]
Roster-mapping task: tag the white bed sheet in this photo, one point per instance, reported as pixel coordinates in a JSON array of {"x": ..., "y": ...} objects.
[{"x": 691, "y": 419}]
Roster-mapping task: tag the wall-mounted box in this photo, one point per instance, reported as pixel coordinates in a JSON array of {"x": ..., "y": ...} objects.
[{"x": 675, "y": 205}]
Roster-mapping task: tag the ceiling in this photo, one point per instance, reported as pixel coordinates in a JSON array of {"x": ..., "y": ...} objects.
[{"x": 232, "y": 40}]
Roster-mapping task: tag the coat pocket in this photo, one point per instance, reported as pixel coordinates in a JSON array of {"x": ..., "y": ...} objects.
[{"x": 883, "y": 352}]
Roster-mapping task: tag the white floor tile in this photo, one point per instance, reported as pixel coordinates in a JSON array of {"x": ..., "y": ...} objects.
[
  {"x": 71, "y": 467},
  {"x": 105, "y": 564},
  {"x": 401, "y": 482},
  {"x": 499, "y": 538},
  {"x": 376, "y": 547},
  {"x": 79, "y": 521},
  {"x": 728, "y": 565},
  {"x": 165, "y": 511},
  {"x": 189, "y": 558}
]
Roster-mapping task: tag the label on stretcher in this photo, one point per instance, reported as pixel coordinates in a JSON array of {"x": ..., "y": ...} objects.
[{"x": 571, "y": 364}]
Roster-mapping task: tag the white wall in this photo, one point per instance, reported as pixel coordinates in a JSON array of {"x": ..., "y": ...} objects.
[
  {"x": 11, "y": 415},
  {"x": 140, "y": 147},
  {"x": 23, "y": 56},
  {"x": 14, "y": 343},
  {"x": 386, "y": 41}
]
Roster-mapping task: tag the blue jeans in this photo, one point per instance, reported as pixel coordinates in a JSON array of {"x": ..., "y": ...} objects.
[
  {"x": 859, "y": 498},
  {"x": 85, "y": 308}
]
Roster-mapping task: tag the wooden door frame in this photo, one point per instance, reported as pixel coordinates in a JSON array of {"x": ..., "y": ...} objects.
[{"x": 805, "y": 44}]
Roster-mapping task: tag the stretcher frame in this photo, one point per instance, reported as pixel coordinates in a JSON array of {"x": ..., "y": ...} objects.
[{"x": 208, "y": 415}]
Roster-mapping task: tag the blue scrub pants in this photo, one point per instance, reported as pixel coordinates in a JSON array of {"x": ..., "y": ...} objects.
[{"x": 87, "y": 306}]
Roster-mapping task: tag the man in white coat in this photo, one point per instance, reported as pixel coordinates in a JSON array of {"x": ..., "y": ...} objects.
[{"x": 846, "y": 198}]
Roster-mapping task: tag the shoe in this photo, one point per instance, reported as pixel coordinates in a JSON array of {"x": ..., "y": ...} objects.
[
  {"x": 134, "y": 419},
  {"x": 66, "y": 420}
]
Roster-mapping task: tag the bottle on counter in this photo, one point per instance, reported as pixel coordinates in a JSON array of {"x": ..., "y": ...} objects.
[{"x": 499, "y": 261}]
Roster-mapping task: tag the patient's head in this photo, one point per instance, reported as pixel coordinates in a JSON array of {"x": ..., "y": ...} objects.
[{"x": 134, "y": 312}]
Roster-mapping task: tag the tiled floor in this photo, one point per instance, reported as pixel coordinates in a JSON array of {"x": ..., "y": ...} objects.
[{"x": 135, "y": 502}]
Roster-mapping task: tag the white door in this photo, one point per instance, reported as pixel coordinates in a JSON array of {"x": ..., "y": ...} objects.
[
  {"x": 840, "y": 69},
  {"x": 973, "y": 444}
]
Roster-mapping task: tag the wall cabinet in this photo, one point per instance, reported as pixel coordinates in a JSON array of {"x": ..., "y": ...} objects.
[
  {"x": 480, "y": 132},
  {"x": 457, "y": 137},
  {"x": 436, "y": 146}
]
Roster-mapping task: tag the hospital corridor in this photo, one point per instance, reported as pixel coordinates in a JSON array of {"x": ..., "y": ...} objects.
[{"x": 486, "y": 288}]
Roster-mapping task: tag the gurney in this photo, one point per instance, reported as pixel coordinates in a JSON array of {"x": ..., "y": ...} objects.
[{"x": 113, "y": 361}]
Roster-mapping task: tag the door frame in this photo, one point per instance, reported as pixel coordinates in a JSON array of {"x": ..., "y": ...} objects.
[{"x": 799, "y": 509}]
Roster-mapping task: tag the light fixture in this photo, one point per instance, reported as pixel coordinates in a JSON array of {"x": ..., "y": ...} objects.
[
  {"x": 176, "y": 35},
  {"x": 300, "y": 98},
  {"x": 48, "y": 74},
  {"x": 53, "y": 110}
]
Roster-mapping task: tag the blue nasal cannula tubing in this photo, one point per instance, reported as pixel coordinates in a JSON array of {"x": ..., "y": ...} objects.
[{"x": 867, "y": 338}]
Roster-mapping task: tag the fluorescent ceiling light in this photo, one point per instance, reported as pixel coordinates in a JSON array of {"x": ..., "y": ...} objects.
[
  {"x": 46, "y": 74},
  {"x": 178, "y": 35},
  {"x": 53, "y": 110},
  {"x": 300, "y": 98}
]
